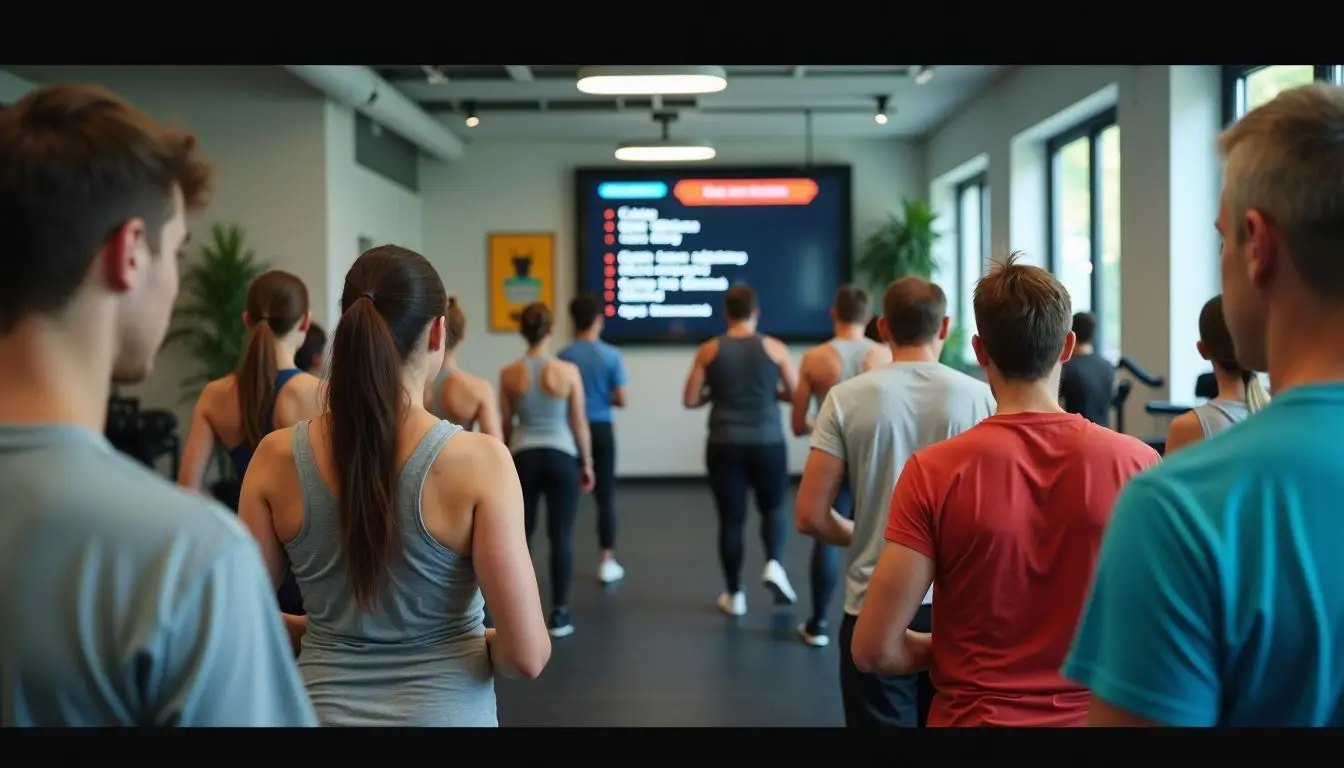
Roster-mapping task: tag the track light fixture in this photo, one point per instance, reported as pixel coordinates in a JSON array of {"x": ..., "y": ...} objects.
[
  {"x": 880, "y": 117},
  {"x": 923, "y": 74},
  {"x": 473, "y": 119}
]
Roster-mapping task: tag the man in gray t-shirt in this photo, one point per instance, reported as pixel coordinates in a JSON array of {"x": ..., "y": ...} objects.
[
  {"x": 124, "y": 601},
  {"x": 867, "y": 428}
]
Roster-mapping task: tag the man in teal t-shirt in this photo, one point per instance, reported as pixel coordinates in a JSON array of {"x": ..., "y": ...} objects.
[{"x": 1219, "y": 597}]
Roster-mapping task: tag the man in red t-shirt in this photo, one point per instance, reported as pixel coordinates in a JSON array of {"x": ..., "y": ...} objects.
[{"x": 1006, "y": 521}]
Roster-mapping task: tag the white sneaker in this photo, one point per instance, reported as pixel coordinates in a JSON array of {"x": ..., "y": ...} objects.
[
  {"x": 777, "y": 581},
  {"x": 610, "y": 572},
  {"x": 734, "y": 604}
]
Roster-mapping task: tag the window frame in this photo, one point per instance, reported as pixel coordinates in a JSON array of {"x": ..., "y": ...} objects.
[
  {"x": 980, "y": 180},
  {"x": 1090, "y": 129},
  {"x": 1234, "y": 79}
]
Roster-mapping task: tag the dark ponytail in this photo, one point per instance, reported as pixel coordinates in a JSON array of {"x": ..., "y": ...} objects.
[
  {"x": 391, "y": 297},
  {"x": 1217, "y": 339},
  {"x": 276, "y": 303}
]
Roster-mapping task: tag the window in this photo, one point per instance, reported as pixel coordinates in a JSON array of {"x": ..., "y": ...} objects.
[
  {"x": 1084, "y": 227},
  {"x": 972, "y": 254},
  {"x": 1246, "y": 87}
]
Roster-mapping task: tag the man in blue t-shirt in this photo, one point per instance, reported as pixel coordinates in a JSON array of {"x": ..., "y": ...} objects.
[
  {"x": 124, "y": 600},
  {"x": 1219, "y": 596},
  {"x": 604, "y": 381}
]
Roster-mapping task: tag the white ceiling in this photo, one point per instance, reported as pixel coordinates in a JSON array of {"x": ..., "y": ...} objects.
[{"x": 540, "y": 102}]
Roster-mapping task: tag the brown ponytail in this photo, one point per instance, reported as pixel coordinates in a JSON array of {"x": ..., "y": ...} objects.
[
  {"x": 391, "y": 297},
  {"x": 1217, "y": 339},
  {"x": 276, "y": 303}
]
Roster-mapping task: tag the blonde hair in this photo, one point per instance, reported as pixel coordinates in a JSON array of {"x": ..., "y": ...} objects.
[{"x": 1286, "y": 160}]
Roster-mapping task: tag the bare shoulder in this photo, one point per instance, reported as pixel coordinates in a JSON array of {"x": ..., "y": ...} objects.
[
  {"x": 1184, "y": 430},
  {"x": 277, "y": 445},
  {"x": 473, "y": 459},
  {"x": 475, "y": 384},
  {"x": 776, "y": 348},
  {"x": 706, "y": 351}
]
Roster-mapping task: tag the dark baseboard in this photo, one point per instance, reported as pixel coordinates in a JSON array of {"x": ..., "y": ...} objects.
[{"x": 676, "y": 480}]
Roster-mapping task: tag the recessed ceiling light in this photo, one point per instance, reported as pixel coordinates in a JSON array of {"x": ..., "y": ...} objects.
[{"x": 652, "y": 81}]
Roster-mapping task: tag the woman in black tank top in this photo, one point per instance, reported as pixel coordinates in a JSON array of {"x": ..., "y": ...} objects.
[{"x": 744, "y": 376}]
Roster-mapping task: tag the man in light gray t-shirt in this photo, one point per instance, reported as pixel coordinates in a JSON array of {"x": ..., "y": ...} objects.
[
  {"x": 124, "y": 600},
  {"x": 867, "y": 428}
]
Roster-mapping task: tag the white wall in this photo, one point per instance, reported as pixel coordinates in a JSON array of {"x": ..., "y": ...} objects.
[
  {"x": 285, "y": 170},
  {"x": 1169, "y": 118},
  {"x": 360, "y": 203},
  {"x": 529, "y": 186}
]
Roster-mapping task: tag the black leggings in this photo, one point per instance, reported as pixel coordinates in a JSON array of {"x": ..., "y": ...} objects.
[
  {"x": 733, "y": 469},
  {"x": 826, "y": 559},
  {"x": 604, "y": 472},
  {"x": 555, "y": 475}
]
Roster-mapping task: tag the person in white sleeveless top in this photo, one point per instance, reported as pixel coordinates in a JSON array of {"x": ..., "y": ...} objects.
[
  {"x": 1240, "y": 392},
  {"x": 396, "y": 523},
  {"x": 847, "y": 354}
]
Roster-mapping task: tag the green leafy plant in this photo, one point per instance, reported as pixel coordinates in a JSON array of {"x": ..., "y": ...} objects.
[
  {"x": 208, "y": 321},
  {"x": 901, "y": 247}
]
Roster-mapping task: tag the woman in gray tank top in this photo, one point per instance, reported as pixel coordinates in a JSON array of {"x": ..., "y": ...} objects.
[
  {"x": 546, "y": 428},
  {"x": 385, "y": 512},
  {"x": 1240, "y": 392},
  {"x": 744, "y": 376}
]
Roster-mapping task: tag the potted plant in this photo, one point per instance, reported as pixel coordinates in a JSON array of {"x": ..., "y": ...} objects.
[
  {"x": 903, "y": 246},
  {"x": 208, "y": 320}
]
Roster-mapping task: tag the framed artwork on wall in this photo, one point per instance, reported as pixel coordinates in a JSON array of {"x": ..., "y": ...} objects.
[{"x": 520, "y": 269}]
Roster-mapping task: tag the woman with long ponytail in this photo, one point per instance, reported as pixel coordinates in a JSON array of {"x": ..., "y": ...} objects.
[
  {"x": 1240, "y": 392},
  {"x": 399, "y": 525},
  {"x": 265, "y": 391}
]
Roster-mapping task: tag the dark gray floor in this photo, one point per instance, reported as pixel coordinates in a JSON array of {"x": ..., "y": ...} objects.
[{"x": 654, "y": 650}]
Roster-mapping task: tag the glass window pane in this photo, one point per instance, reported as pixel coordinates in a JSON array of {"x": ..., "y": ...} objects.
[
  {"x": 970, "y": 244},
  {"x": 1265, "y": 83},
  {"x": 1071, "y": 238},
  {"x": 1108, "y": 324}
]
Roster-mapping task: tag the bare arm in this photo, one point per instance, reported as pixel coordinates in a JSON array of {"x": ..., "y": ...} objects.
[
  {"x": 254, "y": 510},
  {"x": 519, "y": 646},
  {"x": 883, "y": 644},
  {"x": 816, "y": 517},
  {"x": 695, "y": 394},
  {"x": 788, "y": 378},
  {"x": 618, "y": 397},
  {"x": 802, "y": 400},
  {"x": 578, "y": 419},
  {"x": 199, "y": 448},
  {"x": 487, "y": 416},
  {"x": 1183, "y": 432}
]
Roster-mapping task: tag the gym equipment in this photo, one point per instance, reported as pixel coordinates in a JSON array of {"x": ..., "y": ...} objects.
[
  {"x": 143, "y": 435},
  {"x": 1126, "y": 386}
]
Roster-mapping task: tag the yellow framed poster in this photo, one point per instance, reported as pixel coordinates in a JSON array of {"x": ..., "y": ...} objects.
[{"x": 521, "y": 270}]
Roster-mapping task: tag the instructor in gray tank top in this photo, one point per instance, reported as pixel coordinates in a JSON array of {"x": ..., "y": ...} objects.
[
  {"x": 847, "y": 354},
  {"x": 1240, "y": 392},
  {"x": 743, "y": 376}
]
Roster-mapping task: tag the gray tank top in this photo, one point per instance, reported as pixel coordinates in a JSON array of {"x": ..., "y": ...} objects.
[
  {"x": 742, "y": 383},
  {"x": 542, "y": 420},
  {"x": 419, "y": 658},
  {"x": 1217, "y": 415},
  {"x": 852, "y": 354}
]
